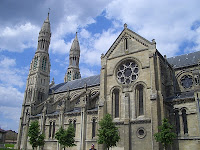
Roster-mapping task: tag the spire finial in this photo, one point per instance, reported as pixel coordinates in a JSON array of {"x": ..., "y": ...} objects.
[
  {"x": 125, "y": 26},
  {"x": 48, "y": 14}
]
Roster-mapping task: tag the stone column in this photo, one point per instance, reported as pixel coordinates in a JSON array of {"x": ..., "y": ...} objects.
[
  {"x": 126, "y": 100},
  {"x": 127, "y": 134},
  {"x": 154, "y": 100},
  {"x": 26, "y": 133},
  {"x": 83, "y": 127},
  {"x": 19, "y": 134},
  {"x": 198, "y": 108}
]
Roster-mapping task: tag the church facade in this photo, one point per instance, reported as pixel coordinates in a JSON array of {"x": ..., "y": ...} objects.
[{"x": 137, "y": 86}]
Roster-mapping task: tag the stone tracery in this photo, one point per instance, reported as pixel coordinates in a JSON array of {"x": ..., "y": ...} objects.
[{"x": 127, "y": 72}]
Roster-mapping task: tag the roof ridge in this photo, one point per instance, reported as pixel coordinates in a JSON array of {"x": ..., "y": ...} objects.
[
  {"x": 81, "y": 78},
  {"x": 183, "y": 54}
]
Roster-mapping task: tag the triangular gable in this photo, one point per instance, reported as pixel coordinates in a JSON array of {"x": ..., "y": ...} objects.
[{"x": 142, "y": 42}]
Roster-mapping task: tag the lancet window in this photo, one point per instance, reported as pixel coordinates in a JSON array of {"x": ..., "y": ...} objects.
[
  {"x": 93, "y": 127},
  {"x": 35, "y": 62},
  {"x": 116, "y": 102},
  {"x": 44, "y": 61},
  {"x": 139, "y": 92},
  {"x": 184, "y": 117}
]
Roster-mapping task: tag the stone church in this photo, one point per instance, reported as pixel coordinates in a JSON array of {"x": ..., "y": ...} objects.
[{"x": 136, "y": 85}]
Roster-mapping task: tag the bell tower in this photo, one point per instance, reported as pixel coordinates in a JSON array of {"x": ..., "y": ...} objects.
[
  {"x": 39, "y": 73},
  {"x": 73, "y": 71},
  {"x": 37, "y": 85}
]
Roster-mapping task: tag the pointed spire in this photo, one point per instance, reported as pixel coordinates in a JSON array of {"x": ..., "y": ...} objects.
[
  {"x": 46, "y": 25},
  {"x": 47, "y": 17},
  {"x": 75, "y": 44},
  {"x": 125, "y": 26}
]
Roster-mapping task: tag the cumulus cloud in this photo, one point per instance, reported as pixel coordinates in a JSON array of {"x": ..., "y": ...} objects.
[
  {"x": 12, "y": 83},
  {"x": 11, "y": 75},
  {"x": 169, "y": 22},
  {"x": 9, "y": 117},
  {"x": 92, "y": 48},
  {"x": 19, "y": 37},
  {"x": 85, "y": 72},
  {"x": 10, "y": 96}
]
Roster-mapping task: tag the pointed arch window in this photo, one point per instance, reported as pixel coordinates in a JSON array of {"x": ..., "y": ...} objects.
[
  {"x": 69, "y": 76},
  {"x": 116, "y": 102},
  {"x": 93, "y": 127},
  {"x": 35, "y": 62},
  {"x": 177, "y": 121},
  {"x": 76, "y": 75},
  {"x": 126, "y": 43},
  {"x": 44, "y": 61},
  {"x": 140, "y": 99},
  {"x": 29, "y": 94},
  {"x": 54, "y": 126},
  {"x": 74, "y": 123},
  {"x": 184, "y": 117},
  {"x": 50, "y": 126}
]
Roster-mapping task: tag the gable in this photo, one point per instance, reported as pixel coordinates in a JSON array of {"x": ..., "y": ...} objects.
[{"x": 127, "y": 42}]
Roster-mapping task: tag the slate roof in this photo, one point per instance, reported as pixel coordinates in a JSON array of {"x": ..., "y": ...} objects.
[
  {"x": 185, "y": 60},
  {"x": 75, "y": 84},
  {"x": 184, "y": 95}
]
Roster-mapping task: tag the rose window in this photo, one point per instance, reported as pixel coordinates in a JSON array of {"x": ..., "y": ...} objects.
[
  {"x": 127, "y": 72},
  {"x": 186, "y": 81}
]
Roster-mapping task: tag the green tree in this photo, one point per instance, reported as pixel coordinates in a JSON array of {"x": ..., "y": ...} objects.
[
  {"x": 36, "y": 138},
  {"x": 66, "y": 137},
  {"x": 108, "y": 132},
  {"x": 165, "y": 134}
]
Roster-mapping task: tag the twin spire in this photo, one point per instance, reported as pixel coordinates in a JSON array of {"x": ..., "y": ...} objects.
[
  {"x": 44, "y": 38},
  {"x": 73, "y": 71}
]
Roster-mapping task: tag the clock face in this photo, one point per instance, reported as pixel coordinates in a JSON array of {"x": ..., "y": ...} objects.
[{"x": 127, "y": 72}]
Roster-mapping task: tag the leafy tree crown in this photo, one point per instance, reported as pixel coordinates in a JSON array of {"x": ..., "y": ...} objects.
[
  {"x": 66, "y": 137},
  {"x": 108, "y": 132},
  {"x": 165, "y": 134},
  {"x": 36, "y": 138}
]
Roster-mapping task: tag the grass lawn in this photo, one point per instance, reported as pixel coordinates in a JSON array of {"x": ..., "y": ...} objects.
[{"x": 9, "y": 145}]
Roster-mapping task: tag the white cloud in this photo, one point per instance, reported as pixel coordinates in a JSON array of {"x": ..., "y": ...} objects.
[
  {"x": 6, "y": 62},
  {"x": 11, "y": 75},
  {"x": 92, "y": 48},
  {"x": 19, "y": 37},
  {"x": 10, "y": 96},
  {"x": 169, "y": 22},
  {"x": 85, "y": 34},
  {"x": 58, "y": 46},
  {"x": 11, "y": 81},
  {"x": 85, "y": 72},
  {"x": 12, "y": 115}
]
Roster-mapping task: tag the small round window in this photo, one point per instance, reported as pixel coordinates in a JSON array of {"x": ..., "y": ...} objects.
[
  {"x": 127, "y": 72},
  {"x": 186, "y": 81},
  {"x": 141, "y": 133}
]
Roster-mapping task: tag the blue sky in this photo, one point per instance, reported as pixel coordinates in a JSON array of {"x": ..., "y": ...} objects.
[{"x": 175, "y": 25}]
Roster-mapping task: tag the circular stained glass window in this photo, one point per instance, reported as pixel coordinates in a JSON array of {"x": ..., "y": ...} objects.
[
  {"x": 127, "y": 72},
  {"x": 186, "y": 81}
]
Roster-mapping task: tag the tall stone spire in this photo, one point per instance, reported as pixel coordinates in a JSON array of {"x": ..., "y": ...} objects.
[
  {"x": 37, "y": 85},
  {"x": 39, "y": 73},
  {"x": 44, "y": 36},
  {"x": 73, "y": 71}
]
